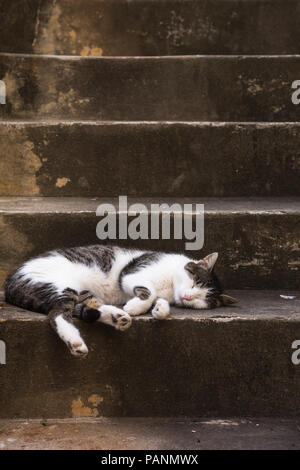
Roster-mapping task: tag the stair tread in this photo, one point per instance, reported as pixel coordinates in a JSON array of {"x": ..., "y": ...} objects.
[
  {"x": 92, "y": 122},
  {"x": 151, "y": 433},
  {"x": 253, "y": 305},
  {"x": 158, "y": 57}
]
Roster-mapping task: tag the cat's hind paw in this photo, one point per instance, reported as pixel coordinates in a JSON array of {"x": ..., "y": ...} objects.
[
  {"x": 70, "y": 336},
  {"x": 161, "y": 309},
  {"x": 78, "y": 349}
]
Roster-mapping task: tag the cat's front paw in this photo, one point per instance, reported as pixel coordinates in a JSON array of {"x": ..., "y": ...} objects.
[
  {"x": 121, "y": 321},
  {"x": 78, "y": 349},
  {"x": 161, "y": 309},
  {"x": 115, "y": 317},
  {"x": 135, "y": 307}
]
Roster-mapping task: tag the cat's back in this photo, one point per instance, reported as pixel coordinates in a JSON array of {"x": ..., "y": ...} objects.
[
  {"x": 106, "y": 260},
  {"x": 95, "y": 268}
]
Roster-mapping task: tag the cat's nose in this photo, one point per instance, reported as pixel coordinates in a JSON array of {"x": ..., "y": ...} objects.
[{"x": 186, "y": 297}]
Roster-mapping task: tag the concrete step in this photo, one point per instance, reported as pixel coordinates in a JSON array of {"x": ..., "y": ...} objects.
[
  {"x": 151, "y": 27},
  {"x": 158, "y": 159},
  {"x": 257, "y": 238},
  {"x": 150, "y": 434},
  {"x": 234, "y": 361},
  {"x": 197, "y": 88}
]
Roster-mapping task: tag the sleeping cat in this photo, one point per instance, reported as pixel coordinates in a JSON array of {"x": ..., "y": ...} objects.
[{"x": 90, "y": 282}]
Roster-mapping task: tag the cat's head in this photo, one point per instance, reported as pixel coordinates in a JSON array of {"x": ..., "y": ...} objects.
[{"x": 198, "y": 286}]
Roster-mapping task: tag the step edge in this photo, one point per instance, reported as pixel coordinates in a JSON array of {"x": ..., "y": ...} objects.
[
  {"x": 89, "y": 205},
  {"x": 93, "y": 122},
  {"x": 149, "y": 58}
]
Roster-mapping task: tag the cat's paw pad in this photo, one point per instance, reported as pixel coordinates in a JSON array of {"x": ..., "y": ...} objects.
[
  {"x": 134, "y": 307},
  {"x": 121, "y": 321},
  {"x": 161, "y": 309},
  {"x": 78, "y": 349},
  {"x": 115, "y": 317}
]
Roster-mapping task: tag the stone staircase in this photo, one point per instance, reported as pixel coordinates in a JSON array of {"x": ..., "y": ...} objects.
[{"x": 190, "y": 101}]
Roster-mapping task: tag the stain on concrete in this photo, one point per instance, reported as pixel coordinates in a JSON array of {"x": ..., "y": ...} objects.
[
  {"x": 19, "y": 165},
  {"x": 61, "y": 182},
  {"x": 83, "y": 182},
  {"x": 51, "y": 32},
  {"x": 95, "y": 399},
  {"x": 254, "y": 86},
  {"x": 57, "y": 31},
  {"x": 72, "y": 34},
  {"x": 91, "y": 51},
  {"x": 252, "y": 262},
  {"x": 14, "y": 244},
  {"x": 80, "y": 410},
  {"x": 67, "y": 101},
  {"x": 178, "y": 31}
]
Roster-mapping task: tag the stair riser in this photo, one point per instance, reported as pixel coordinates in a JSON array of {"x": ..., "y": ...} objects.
[
  {"x": 174, "y": 88},
  {"x": 173, "y": 368},
  {"x": 150, "y": 159},
  {"x": 153, "y": 27},
  {"x": 256, "y": 250}
]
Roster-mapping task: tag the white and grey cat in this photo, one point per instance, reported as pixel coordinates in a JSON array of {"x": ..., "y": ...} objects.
[{"x": 92, "y": 282}]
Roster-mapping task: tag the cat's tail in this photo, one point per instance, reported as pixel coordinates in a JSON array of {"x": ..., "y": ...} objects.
[{"x": 22, "y": 292}]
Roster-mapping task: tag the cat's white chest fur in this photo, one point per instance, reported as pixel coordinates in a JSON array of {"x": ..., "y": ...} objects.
[{"x": 164, "y": 288}]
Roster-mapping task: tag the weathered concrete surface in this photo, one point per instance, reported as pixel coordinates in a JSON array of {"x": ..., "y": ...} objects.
[
  {"x": 149, "y": 159},
  {"x": 143, "y": 27},
  {"x": 227, "y": 362},
  {"x": 201, "y": 88},
  {"x": 258, "y": 239},
  {"x": 151, "y": 434}
]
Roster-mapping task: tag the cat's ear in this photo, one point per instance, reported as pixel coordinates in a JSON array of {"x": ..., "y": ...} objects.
[
  {"x": 227, "y": 299},
  {"x": 209, "y": 261},
  {"x": 191, "y": 267}
]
